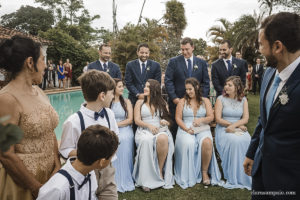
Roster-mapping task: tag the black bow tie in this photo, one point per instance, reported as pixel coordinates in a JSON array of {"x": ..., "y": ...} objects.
[
  {"x": 99, "y": 114},
  {"x": 86, "y": 179}
]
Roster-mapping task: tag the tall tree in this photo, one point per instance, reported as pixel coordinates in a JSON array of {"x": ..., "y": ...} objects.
[
  {"x": 200, "y": 47},
  {"x": 217, "y": 33},
  {"x": 270, "y": 5},
  {"x": 29, "y": 19}
]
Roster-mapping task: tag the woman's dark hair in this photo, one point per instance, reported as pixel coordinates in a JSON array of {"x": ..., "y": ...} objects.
[
  {"x": 14, "y": 52},
  {"x": 157, "y": 101},
  {"x": 122, "y": 101},
  {"x": 239, "y": 87},
  {"x": 96, "y": 142},
  {"x": 196, "y": 85}
]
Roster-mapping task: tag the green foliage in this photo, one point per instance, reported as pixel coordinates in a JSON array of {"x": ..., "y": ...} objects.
[
  {"x": 217, "y": 33},
  {"x": 10, "y": 134},
  {"x": 65, "y": 46},
  {"x": 175, "y": 17},
  {"x": 200, "y": 47},
  {"x": 289, "y": 5},
  {"x": 124, "y": 45},
  {"x": 29, "y": 19}
]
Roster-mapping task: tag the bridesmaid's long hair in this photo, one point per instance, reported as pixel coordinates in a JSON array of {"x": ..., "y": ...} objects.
[
  {"x": 122, "y": 101},
  {"x": 157, "y": 101},
  {"x": 196, "y": 85},
  {"x": 239, "y": 87}
]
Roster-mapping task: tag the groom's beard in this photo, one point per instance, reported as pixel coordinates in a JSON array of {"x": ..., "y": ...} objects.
[{"x": 271, "y": 61}]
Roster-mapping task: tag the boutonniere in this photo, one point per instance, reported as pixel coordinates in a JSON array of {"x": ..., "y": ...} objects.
[
  {"x": 195, "y": 67},
  {"x": 283, "y": 97},
  {"x": 234, "y": 66},
  {"x": 148, "y": 68},
  {"x": 107, "y": 70}
]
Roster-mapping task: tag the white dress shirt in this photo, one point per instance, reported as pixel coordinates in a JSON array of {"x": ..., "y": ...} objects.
[
  {"x": 186, "y": 62},
  {"x": 72, "y": 128},
  {"x": 226, "y": 62},
  {"x": 102, "y": 64},
  {"x": 141, "y": 67},
  {"x": 285, "y": 74},
  {"x": 58, "y": 186}
]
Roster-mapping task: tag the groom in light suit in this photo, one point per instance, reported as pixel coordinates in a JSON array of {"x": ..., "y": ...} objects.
[
  {"x": 273, "y": 156},
  {"x": 178, "y": 70}
]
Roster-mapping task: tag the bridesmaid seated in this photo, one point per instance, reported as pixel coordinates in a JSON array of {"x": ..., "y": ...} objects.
[
  {"x": 155, "y": 148},
  {"x": 194, "y": 153},
  {"x": 124, "y": 117},
  {"x": 232, "y": 138}
]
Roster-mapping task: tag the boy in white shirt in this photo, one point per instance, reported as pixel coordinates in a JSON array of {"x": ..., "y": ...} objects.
[
  {"x": 97, "y": 88},
  {"x": 76, "y": 179}
]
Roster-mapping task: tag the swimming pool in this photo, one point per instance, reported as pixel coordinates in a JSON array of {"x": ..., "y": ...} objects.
[{"x": 66, "y": 104}]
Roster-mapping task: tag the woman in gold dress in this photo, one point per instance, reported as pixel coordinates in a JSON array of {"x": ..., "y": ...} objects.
[{"x": 30, "y": 163}]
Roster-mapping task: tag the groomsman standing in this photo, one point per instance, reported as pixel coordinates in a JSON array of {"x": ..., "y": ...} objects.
[
  {"x": 257, "y": 73},
  {"x": 227, "y": 66},
  {"x": 273, "y": 157},
  {"x": 104, "y": 63},
  {"x": 180, "y": 68},
  {"x": 139, "y": 71}
]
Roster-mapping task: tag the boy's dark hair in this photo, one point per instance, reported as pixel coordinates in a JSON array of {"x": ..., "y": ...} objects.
[
  {"x": 93, "y": 82},
  {"x": 14, "y": 52},
  {"x": 187, "y": 40},
  {"x": 143, "y": 45},
  {"x": 96, "y": 142},
  {"x": 284, "y": 27}
]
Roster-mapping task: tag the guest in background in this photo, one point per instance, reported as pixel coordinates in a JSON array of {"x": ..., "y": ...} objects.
[
  {"x": 68, "y": 72},
  {"x": 30, "y": 163},
  {"x": 249, "y": 78},
  {"x": 61, "y": 74},
  {"x": 232, "y": 138},
  {"x": 194, "y": 154},
  {"x": 124, "y": 117},
  {"x": 85, "y": 67},
  {"x": 257, "y": 75},
  {"x": 45, "y": 77},
  {"x": 155, "y": 148}
]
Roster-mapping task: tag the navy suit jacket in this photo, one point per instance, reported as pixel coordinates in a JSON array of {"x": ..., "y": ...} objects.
[
  {"x": 177, "y": 73},
  {"x": 219, "y": 73},
  {"x": 260, "y": 71},
  {"x": 134, "y": 80},
  {"x": 113, "y": 69},
  {"x": 275, "y": 144}
]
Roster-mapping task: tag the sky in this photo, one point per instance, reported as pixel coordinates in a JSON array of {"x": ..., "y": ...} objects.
[{"x": 200, "y": 14}]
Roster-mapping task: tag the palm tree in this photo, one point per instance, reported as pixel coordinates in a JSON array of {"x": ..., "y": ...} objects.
[{"x": 217, "y": 33}]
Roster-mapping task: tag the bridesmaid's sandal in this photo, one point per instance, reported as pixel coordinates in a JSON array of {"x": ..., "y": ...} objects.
[
  {"x": 205, "y": 182},
  {"x": 146, "y": 189}
]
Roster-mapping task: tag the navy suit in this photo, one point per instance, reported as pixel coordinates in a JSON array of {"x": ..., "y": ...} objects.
[
  {"x": 135, "y": 81},
  {"x": 112, "y": 69},
  {"x": 219, "y": 72},
  {"x": 275, "y": 144},
  {"x": 255, "y": 80},
  {"x": 177, "y": 73}
]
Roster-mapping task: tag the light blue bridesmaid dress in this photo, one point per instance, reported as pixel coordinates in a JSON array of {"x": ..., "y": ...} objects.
[
  {"x": 231, "y": 147},
  {"x": 188, "y": 153},
  {"x": 146, "y": 169},
  {"x": 124, "y": 162}
]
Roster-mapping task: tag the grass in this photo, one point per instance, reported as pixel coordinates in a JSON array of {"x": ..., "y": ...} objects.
[{"x": 199, "y": 191}]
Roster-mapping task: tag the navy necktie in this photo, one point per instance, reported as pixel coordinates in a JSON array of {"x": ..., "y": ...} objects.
[
  {"x": 271, "y": 94},
  {"x": 229, "y": 66},
  {"x": 105, "y": 67},
  {"x": 99, "y": 114},
  {"x": 86, "y": 179},
  {"x": 189, "y": 67},
  {"x": 143, "y": 68}
]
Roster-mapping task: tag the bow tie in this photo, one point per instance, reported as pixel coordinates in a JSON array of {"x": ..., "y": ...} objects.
[
  {"x": 99, "y": 114},
  {"x": 86, "y": 179}
]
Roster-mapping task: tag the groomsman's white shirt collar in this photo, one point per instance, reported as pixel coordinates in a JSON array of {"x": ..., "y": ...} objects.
[
  {"x": 58, "y": 186},
  {"x": 102, "y": 63},
  {"x": 226, "y": 62},
  {"x": 186, "y": 62},
  {"x": 141, "y": 67},
  {"x": 72, "y": 128},
  {"x": 285, "y": 74}
]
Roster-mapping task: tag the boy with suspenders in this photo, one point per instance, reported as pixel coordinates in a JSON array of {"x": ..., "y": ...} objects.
[
  {"x": 76, "y": 179},
  {"x": 97, "y": 88}
]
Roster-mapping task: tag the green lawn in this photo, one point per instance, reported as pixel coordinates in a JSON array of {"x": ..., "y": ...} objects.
[{"x": 198, "y": 191}]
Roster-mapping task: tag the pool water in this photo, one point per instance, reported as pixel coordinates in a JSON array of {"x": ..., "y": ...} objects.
[{"x": 66, "y": 104}]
